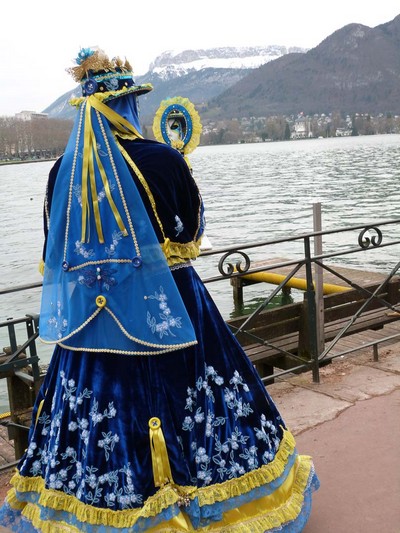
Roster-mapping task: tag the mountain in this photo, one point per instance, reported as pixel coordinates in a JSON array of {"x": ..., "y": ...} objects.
[
  {"x": 195, "y": 74},
  {"x": 178, "y": 63},
  {"x": 356, "y": 69}
]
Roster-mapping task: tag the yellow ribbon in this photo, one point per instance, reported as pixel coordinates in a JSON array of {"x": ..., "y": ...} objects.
[
  {"x": 159, "y": 455},
  {"x": 90, "y": 154},
  {"x": 119, "y": 123},
  {"x": 39, "y": 412}
]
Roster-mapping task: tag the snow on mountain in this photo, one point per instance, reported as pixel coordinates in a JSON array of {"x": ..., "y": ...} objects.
[{"x": 173, "y": 63}]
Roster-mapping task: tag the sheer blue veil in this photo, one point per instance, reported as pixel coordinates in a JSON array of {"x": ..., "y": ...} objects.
[{"x": 107, "y": 286}]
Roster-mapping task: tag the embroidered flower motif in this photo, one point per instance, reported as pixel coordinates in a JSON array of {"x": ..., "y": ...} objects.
[
  {"x": 116, "y": 237},
  {"x": 167, "y": 320},
  {"x": 77, "y": 189},
  {"x": 238, "y": 380},
  {"x": 57, "y": 322},
  {"x": 102, "y": 276},
  {"x": 199, "y": 416},
  {"x": 191, "y": 399},
  {"x": 188, "y": 423},
  {"x": 102, "y": 153},
  {"x": 97, "y": 417},
  {"x": 81, "y": 250},
  {"x": 61, "y": 468},
  {"x": 179, "y": 226},
  {"x": 250, "y": 455},
  {"x": 111, "y": 84},
  {"x": 239, "y": 451},
  {"x": 108, "y": 443}
]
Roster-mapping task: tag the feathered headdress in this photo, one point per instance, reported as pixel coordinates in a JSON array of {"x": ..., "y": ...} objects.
[{"x": 98, "y": 74}]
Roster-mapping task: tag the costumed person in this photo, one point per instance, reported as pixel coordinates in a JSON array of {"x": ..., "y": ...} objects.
[{"x": 151, "y": 417}]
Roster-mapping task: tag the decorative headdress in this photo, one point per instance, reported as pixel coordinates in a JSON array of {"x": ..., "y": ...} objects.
[{"x": 98, "y": 74}]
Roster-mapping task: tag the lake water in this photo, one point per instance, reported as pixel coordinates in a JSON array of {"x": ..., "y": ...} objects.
[{"x": 252, "y": 192}]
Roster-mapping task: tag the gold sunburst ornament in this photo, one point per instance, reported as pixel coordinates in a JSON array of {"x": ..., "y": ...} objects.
[{"x": 177, "y": 123}]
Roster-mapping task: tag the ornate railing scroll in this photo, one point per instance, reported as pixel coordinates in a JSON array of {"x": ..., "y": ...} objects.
[
  {"x": 364, "y": 239},
  {"x": 228, "y": 268}
]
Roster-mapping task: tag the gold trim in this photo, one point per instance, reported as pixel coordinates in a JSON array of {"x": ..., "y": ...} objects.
[
  {"x": 196, "y": 124},
  {"x": 170, "y": 494}
]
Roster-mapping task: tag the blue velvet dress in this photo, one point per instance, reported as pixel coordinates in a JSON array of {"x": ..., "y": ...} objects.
[{"x": 184, "y": 441}]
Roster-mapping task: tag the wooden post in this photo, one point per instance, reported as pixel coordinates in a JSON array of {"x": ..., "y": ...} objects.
[
  {"x": 237, "y": 284},
  {"x": 21, "y": 400},
  {"x": 264, "y": 370},
  {"x": 319, "y": 279}
]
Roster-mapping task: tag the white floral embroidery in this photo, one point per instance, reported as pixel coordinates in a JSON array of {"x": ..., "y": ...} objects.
[
  {"x": 116, "y": 237},
  {"x": 179, "y": 226},
  {"x": 167, "y": 320},
  {"x": 111, "y": 84},
  {"x": 81, "y": 250},
  {"x": 114, "y": 487},
  {"x": 77, "y": 190},
  {"x": 57, "y": 322},
  {"x": 233, "y": 455}
]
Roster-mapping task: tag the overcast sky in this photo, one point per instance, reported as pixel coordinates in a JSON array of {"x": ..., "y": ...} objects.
[{"x": 40, "y": 38}]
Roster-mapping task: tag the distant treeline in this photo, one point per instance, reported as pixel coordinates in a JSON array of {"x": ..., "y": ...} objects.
[
  {"x": 46, "y": 138},
  {"x": 281, "y": 128},
  {"x": 38, "y": 138}
]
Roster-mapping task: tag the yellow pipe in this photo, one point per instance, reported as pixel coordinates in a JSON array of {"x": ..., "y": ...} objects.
[{"x": 295, "y": 283}]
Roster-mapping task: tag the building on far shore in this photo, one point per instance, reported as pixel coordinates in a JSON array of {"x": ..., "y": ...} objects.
[{"x": 29, "y": 115}]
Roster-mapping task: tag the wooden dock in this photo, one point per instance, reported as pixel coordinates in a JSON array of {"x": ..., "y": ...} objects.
[{"x": 281, "y": 337}]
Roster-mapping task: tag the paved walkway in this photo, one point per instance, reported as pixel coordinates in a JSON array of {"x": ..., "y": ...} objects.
[{"x": 350, "y": 424}]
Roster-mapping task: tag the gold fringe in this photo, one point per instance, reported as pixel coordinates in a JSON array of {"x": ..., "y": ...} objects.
[
  {"x": 41, "y": 267},
  {"x": 176, "y": 252},
  {"x": 257, "y": 516},
  {"x": 194, "y": 139},
  {"x": 168, "y": 495},
  {"x": 99, "y": 61}
]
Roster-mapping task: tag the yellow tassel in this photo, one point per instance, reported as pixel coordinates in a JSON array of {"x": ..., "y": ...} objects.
[
  {"x": 41, "y": 267},
  {"x": 159, "y": 454},
  {"x": 166, "y": 247},
  {"x": 39, "y": 411}
]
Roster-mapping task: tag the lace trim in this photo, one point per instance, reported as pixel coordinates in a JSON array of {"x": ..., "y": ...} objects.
[
  {"x": 164, "y": 498},
  {"x": 186, "y": 264}
]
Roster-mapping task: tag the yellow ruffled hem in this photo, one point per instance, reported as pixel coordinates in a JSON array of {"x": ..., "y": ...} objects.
[
  {"x": 258, "y": 516},
  {"x": 168, "y": 495}
]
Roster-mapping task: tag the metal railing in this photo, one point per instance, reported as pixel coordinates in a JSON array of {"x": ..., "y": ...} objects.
[{"x": 235, "y": 262}]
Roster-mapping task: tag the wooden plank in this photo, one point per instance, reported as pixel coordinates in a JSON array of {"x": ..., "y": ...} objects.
[
  {"x": 284, "y": 326},
  {"x": 276, "y": 314}
]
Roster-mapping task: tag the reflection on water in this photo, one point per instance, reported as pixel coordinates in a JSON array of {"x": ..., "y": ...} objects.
[
  {"x": 252, "y": 304},
  {"x": 251, "y": 192}
]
